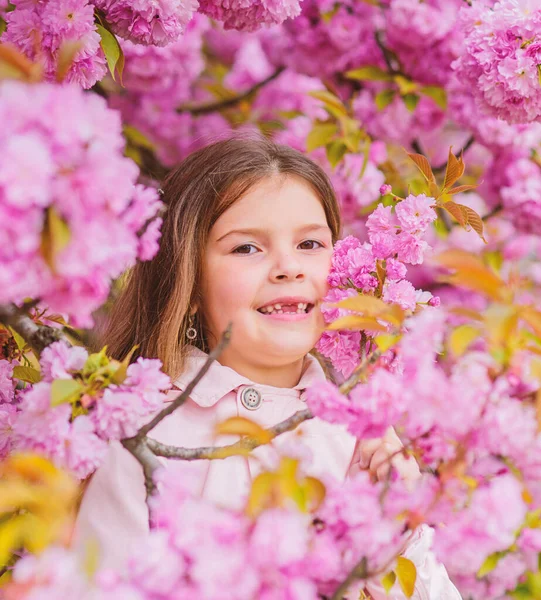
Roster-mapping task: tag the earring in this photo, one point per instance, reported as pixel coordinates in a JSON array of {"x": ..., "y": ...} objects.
[{"x": 191, "y": 334}]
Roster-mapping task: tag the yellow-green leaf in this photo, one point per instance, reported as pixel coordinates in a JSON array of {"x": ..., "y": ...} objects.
[
  {"x": 471, "y": 273},
  {"x": 65, "y": 390},
  {"x": 423, "y": 165},
  {"x": 356, "y": 323},
  {"x": 11, "y": 537},
  {"x": 490, "y": 563},
  {"x": 314, "y": 492},
  {"x": 330, "y": 101},
  {"x": 461, "y": 338},
  {"x": 122, "y": 372},
  {"x": 243, "y": 427},
  {"x": 321, "y": 135},
  {"x": 112, "y": 50},
  {"x": 335, "y": 152},
  {"x": 19, "y": 340},
  {"x": 55, "y": 236},
  {"x": 261, "y": 493},
  {"x": 438, "y": 94},
  {"x": 406, "y": 573},
  {"x": 405, "y": 85},
  {"x": 384, "y": 98},
  {"x": 28, "y": 374},
  {"x": 369, "y": 73},
  {"x": 386, "y": 341},
  {"x": 66, "y": 55},
  {"x": 388, "y": 581},
  {"x": 136, "y": 137},
  {"x": 364, "y": 304},
  {"x": 15, "y": 65},
  {"x": 411, "y": 101}
]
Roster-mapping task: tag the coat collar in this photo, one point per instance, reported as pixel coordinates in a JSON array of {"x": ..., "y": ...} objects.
[{"x": 220, "y": 380}]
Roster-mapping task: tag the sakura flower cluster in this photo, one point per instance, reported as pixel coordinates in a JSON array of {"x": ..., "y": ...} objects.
[
  {"x": 48, "y": 32},
  {"x": 200, "y": 550},
  {"x": 156, "y": 22},
  {"x": 249, "y": 16},
  {"x": 502, "y": 57},
  {"x": 73, "y": 429},
  {"x": 74, "y": 218},
  {"x": 395, "y": 237}
]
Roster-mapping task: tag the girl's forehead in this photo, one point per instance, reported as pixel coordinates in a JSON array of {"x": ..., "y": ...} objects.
[{"x": 285, "y": 200}]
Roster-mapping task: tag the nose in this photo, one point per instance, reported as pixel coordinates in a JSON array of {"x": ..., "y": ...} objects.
[{"x": 286, "y": 267}]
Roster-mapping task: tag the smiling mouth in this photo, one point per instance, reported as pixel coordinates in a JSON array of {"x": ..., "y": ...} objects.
[{"x": 286, "y": 309}]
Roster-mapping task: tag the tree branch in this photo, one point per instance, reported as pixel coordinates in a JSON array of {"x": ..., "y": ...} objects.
[
  {"x": 37, "y": 336},
  {"x": 495, "y": 211},
  {"x": 181, "y": 398},
  {"x": 146, "y": 458},
  {"x": 220, "y": 452},
  {"x": 205, "y": 109}
]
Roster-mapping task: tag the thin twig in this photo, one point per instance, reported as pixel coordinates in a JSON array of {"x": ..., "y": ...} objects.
[
  {"x": 387, "y": 56},
  {"x": 220, "y": 452},
  {"x": 36, "y": 336},
  {"x": 495, "y": 211},
  {"x": 359, "y": 571},
  {"x": 205, "y": 109},
  {"x": 181, "y": 398},
  {"x": 353, "y": 379}
]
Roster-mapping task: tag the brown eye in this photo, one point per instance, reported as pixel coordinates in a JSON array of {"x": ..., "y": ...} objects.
[
  {"x": 244, "y": 249},
  {"x": 310, "y": 245}
]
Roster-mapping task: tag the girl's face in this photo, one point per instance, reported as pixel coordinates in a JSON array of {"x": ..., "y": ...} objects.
[{"x": 271, "y": 248}]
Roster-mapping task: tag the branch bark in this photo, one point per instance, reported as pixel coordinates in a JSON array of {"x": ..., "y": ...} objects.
[
  {"x": 220, "y": 452},
  {"x": 181, "y": 398},
  {"x": 205, "y": 109},
  {"x": 37, "y": 336}
]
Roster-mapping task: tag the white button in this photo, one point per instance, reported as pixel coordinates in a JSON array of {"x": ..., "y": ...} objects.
[{"x": 250, "y": 398}]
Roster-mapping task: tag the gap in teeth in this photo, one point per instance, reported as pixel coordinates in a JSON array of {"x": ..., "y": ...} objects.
[{"x": 277, "y": 308}]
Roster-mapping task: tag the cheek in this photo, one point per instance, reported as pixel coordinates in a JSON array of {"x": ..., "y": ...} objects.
[{"x": 230, "y": 289}]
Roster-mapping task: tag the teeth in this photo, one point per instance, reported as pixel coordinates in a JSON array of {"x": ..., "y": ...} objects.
[{"x": 277, "y": 308}]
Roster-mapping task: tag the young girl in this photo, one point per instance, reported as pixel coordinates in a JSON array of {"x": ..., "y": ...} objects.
[{"x": 247, "y": 239}]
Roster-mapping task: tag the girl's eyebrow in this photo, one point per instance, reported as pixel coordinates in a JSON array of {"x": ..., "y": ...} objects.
[{"x": 303, "y": 229}]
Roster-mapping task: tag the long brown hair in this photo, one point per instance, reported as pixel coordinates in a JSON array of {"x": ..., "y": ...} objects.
[{"x": 153, "y": 309}]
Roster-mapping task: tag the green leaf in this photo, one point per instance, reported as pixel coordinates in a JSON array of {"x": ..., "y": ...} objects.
[
  {"x": 490, "y": 563},
  {"x": 321, "y": 135},
  {"x": 331, "y": 102},
  {"x": 335, "y": 152},
  {"x": 112, "y": 50},
  {"x": 136, "y": 137},
  {"x": 121, "y": 373},
  {"x": 96, "y": 361},
  {"x": 539, "y": 73},
  {"x": 55, "y": 236},
  {"x": 384, "y": 98},
  {"x": 28, "y": 374},
  {"x": 462, "y": 337},
  {"x": 65, "y": 390},
  {"x": 411, "y": 101},
  {"x": 406, "y": 574},
  {"x": 370, "y": 73},
  {"x": 19, "y": 340},
  {"x": 386, "y": 341},
  {"x": 388, "y": 581},
  {"x": 405, "y": 85},
  {"x": 438, "y": 94}
]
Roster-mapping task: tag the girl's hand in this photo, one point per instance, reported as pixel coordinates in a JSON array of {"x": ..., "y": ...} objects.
[{"x": 379, "y": 454}]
